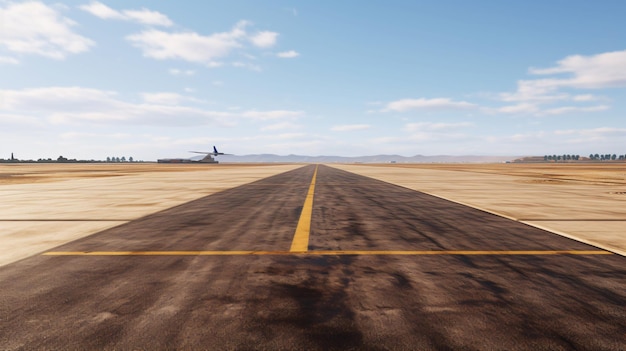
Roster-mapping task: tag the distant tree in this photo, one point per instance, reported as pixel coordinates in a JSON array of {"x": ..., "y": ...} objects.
[
  {"x": 61, "y": 159},
  {"x": 117, "y": 159},
  {"x": 596, "y": 157},
  {"x": 108, "y": 159},
  {"x": 614, "y": 157},
  {"x": 130, "y": 159},
  {"x": 123, "y": 158}
]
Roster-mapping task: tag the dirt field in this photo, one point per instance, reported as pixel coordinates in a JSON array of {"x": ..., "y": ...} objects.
[
  {"x": 24, "y": 173},
  {"x": 45, "y": 205},
  {"x": 552, "y": 173}
]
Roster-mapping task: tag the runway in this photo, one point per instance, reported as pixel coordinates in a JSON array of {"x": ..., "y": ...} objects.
[{"x": 317, "y": 258}]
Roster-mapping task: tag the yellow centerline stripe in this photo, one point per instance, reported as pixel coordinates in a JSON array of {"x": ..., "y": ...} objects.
[
  {"x": 321, "y": 253},
  {"x": 300, "y": 241}
]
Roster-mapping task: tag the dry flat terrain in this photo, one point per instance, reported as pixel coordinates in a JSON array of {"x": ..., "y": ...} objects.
[{"x": 309, "y": 257}]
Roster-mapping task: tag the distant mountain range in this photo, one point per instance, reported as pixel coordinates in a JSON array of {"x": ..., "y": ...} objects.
[{"x": 269, "y": 158}]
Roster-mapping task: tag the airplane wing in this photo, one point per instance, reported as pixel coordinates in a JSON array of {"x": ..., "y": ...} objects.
[{"x": 210, "y": 153}]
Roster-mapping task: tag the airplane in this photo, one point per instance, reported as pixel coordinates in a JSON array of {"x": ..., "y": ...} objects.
[
  {"x": 214, "y": 153},
  {"x": 207, "y": 159},
  {"x": 209, "y": 155}
]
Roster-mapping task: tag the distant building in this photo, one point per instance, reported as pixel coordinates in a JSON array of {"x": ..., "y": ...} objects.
[{"x": 174, "y": 160}]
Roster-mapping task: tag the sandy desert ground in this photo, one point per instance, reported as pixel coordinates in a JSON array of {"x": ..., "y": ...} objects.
[{"x": 46, "y": 205}]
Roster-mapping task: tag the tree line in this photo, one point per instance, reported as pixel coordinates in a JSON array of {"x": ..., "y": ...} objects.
[
  {"x": 120, "y": 159},
  {"x": 593, "y": 157},
  {"x": 607, "y": 157}
]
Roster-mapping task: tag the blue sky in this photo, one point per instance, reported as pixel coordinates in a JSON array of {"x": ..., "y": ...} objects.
[{"x": 152, "y": 79}]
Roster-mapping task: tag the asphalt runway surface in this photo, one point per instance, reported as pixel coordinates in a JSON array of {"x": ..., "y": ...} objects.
[{"x": 383, "y": 268}]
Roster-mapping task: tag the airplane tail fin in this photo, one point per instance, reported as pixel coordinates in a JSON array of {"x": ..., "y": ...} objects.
[{"x": 215, "y": 149}]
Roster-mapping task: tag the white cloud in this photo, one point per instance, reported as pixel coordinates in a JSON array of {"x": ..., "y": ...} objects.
[
  {"x": 186, "y": 46},
  {"x": 606, "y": 70},
  {"x": 77, "y": 105},
  {"x": 289, "y": 136},
  {"x": 190, "y": 46},
  {"x": 288, "y": 54},
  {"x": 589, "y": 140},
  {"x": 280, "y": 126},
  {"x": 573, "y": 109},
  {"x": 180, "y": 72},
  {"x": 584, "y": 98},
  {"x": 209, "y": 50},
  {"x": 264, "y": 39},
  {"x": 247, "y": 65},
  {"x": 527, "y": 138},
  {"x": 269, "y": 115},
  {"x": 427, "y": 104},
  {"x": 83, "y": 135},
  {"x": 143, "y": 16},
  {"x": 8, "y": 60},
  {"x": 595, "y": 133},
  {"x": 35, "y": 28},
  {"x": 601, "y": 71},
  {"x": 53, "y": 98},
  {"x": 430, "y": 126},
  {"x": 524, "y": 108},
  {"x": 164, "y": 98},
  {"x": 101, "y": 10},
  {"x": 350, "y": 127},
  {"x": 19, "y": 120},
  {"x": 533, "y": 91}
]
